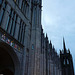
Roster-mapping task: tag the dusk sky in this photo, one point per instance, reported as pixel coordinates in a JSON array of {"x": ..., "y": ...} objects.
[{"x": 58, "y": 20}]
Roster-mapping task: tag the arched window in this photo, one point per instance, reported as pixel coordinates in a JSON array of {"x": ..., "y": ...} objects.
[
  {"x": 67, "y": 61},
  {"x": 64, "y": 62}
]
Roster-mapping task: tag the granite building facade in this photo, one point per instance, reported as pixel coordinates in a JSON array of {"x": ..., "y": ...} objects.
[
  {"x": 50, "y": 60},
  {"x": 24, "y": 49},
  {"x": 20, "y": 36},
  {"x": 15, "y": 33}
]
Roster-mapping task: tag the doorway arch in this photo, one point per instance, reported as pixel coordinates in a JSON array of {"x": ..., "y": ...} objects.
[{"x": 9, "y": 61}]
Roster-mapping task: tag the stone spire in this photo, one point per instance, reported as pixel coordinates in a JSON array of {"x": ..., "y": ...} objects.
[
  {"x": 64, "y": 47},
  {"x": 46, "y": 36},
  {"x": 50, "y": 45}
]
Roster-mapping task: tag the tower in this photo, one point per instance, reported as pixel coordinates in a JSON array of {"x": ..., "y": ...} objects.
[
  {"x": 66, "y": 61},
  {"x": 34, "y": 67}
]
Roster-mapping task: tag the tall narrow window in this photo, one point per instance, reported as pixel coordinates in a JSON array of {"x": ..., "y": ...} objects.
[
  {"x": 24, "y": 33},
  {"x": 24, "y": 6},
  {"x": 64, "y": 62},
  {"x": 27, "y": 10},
  {"x": 8, "y": 19},
  {"x": 10, "y": 26},
  {"x": 19, "y": 33},
  {"x": 67, "y": 61},
  {"x": 2, "y": 13},
  {"x": 12, "y": 15},
  {"x": 15, "y": 26},
  {"x": 7, "y": 23}
]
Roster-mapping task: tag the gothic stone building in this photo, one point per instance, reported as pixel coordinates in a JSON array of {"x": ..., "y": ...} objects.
[
  {"x": 24, "y": 50},
  {"x": 50, "y": 59},
  {"x": 20, "y": 36},
  {"x": 66, "y": 61}
]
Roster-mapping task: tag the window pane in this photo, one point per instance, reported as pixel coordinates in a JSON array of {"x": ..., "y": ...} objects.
[
  {"x": 13, "y": 24},
  {"x": 12, "y": 16},
  {"x": 7, "y": 23},
  {"x": 10, "y": 26},
  {"x": 19, "y": 31},
  {"x": 23, "y": 34},
  {"x": 67, "y": 61},
  {"x": 1, "y": 15},
  {"x": 9, "y": 19}
]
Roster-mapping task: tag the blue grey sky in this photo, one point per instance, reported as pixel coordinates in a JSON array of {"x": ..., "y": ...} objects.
[{"x": 58, "y": 20}]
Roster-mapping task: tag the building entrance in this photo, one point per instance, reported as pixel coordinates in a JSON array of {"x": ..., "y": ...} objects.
[{"x": 6, "y": 63}]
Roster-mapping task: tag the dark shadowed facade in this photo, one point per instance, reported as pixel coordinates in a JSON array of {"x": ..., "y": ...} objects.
[
  {"x": 66, "y": 61},
  {"x": 24, "y": 50}
]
